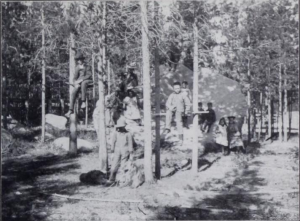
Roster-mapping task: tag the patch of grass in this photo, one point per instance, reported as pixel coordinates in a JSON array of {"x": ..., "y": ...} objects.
[{"x": 17, "y": 147}]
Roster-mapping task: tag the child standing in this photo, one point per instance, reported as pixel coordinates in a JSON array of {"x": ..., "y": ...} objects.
[
  {"x": 221, "y": 136},
  {"x": 121, "y": 146}
]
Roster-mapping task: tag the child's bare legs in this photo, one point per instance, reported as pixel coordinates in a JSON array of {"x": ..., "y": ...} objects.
[
  {"x": 73, "y": 100},
  {"x": 84, "y": 86}
]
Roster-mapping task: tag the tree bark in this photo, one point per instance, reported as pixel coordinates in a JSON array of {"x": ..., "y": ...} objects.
[
  {"x": 93, "y": 72},
  {"x": 5, "y": 95},
  {"x": 269, "y": 116},
  {"x": 73, "y": 134},
  {"x": 195, "y": 101},
  {"x": 102, "y": 128},
  {"x": 86, "y": 112},
  {"x": 285, "y": 108},
  {"x": 280, "y": 104},
  {"x": 108, "y": 77},
  {"x": 73, "y": 116},
  {"x": 43, "y": 80},
  {"x": 157, "y": 101},
  {"x": 261, "y": 115},
  {"x": 146, "y": 95}
]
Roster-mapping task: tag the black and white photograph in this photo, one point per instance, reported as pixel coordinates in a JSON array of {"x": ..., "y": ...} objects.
[{"x": 150, "y": 110}]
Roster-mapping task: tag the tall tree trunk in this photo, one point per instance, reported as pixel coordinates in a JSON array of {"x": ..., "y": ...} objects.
[
  {"x": 102, "y": 128},
  {"x": 157, "y": 100},
  {"x": 108, "y": 77},
  {"x": 43, "y": 80},
  {"x": 146, "y": 95},
  {"x": 261, "y": 115},
  {"x": 5, "y": 95},
  {"x": 269, "y": 116},
  {"x": 93, "y": 72},
  {"x": 249, "y": 99},
  {"x": 280, "y": 104},
  {"x": 73, "y": 116},
  {"x": 86, "y": 111},
  {"x": 285, "y": 108},
  {"x": 195, "y": 101}
]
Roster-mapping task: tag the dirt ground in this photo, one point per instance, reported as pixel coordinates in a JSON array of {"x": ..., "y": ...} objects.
[{"x": 260, "y": 185}]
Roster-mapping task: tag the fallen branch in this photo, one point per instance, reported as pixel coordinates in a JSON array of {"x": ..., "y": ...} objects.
[{"x": 99, "y": 200}]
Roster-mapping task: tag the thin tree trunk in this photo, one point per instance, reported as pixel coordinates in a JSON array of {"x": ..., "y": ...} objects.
[
  {"x": 195, "y": 101},
  {"x": 43, "y": 80},
  {"x": 269, "y": 116},
  {"x": 146, "y": 95},
  {"x": 261, "y": 115},
  {"x": 93, "y": 72},
  {"x": 73, "y": 116},
  {"x": 285, "y": 108},
  {"x": 157, "y": 102},
  {"x": 108, "y": 77},
  {"x": 5, "y": 95},
  {"x": 101, "y": 126},
  {"x": 249, "y": 107},
  {"x": 280, "y": 104},
  {"x": 73, "y": 134},
  {"x": 86, "y": 112},
  {"x": 249, "y": 99}
]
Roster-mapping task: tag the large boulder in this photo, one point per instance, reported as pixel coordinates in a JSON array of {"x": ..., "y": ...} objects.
[
  {"x": 56, "y": 121},
  {"x": 82, "y": 145}
]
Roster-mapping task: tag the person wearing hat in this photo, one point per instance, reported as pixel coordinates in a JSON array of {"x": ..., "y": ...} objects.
[
  {"x": 121, "y": 146},
  {"x": 234, "y": 135},
  {"x": 82, "y": 78},
  {"x": 131, "y": 78}
]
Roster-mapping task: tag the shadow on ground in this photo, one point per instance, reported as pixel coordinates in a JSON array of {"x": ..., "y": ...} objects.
[
  {"x": 233, "y": 198},
  {"x": 26, "y": 189}
]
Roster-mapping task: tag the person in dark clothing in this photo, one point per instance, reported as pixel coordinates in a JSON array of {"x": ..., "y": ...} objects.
[
  {"x": 131, "y": 78},
  {"x": 122, "y": 89},
  {"x": 82, "y": 78},
  {"x": 210, "y": 118},
  {"x": 201, "y": 116}
]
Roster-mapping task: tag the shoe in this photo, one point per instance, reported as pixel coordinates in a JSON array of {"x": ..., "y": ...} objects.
[
  {"x": 83, "y": 105},
  {"x": 67, "y": 115}
]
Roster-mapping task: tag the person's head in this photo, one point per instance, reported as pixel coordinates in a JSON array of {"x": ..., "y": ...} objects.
[
  {"x": 177, "y": 87},
  {"x": 231, "y": 119},
  {"x": 200, "y": 105},
  {"x": 122, "y": 76},
  {"x": 120, "y": 125},
  {"x": 209, "y": 105},
  {"x": 79, "y": 58},
  {"x": 222, "y": 121},
  {"x": 130, "y": 93},
  {"x": 185, "y": 84}
]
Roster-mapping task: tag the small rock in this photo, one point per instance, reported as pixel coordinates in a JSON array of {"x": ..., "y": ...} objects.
[
  {"x": 18, "y": 193},
  {"x": 41, "y": 215},
  {"x": 253, "y": 207}
]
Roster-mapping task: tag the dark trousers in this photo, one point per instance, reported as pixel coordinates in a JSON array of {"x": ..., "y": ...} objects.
[
  {"x": 206, "y": 126},
  {"x": 83, "y": 86},
  {"x": 185, "y": 120}
]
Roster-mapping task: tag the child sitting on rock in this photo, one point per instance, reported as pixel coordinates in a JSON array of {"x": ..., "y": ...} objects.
[{"x": 121, "y": 146}]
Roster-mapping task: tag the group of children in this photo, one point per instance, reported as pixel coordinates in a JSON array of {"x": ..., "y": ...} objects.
[{"x": 229, "y": 137}]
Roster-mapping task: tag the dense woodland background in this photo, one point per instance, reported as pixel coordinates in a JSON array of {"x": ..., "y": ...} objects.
[{"x": 252, "y": 42}]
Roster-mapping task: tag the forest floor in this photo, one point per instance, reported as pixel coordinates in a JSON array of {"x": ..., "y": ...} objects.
[{"x": 260, "y": 185}]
